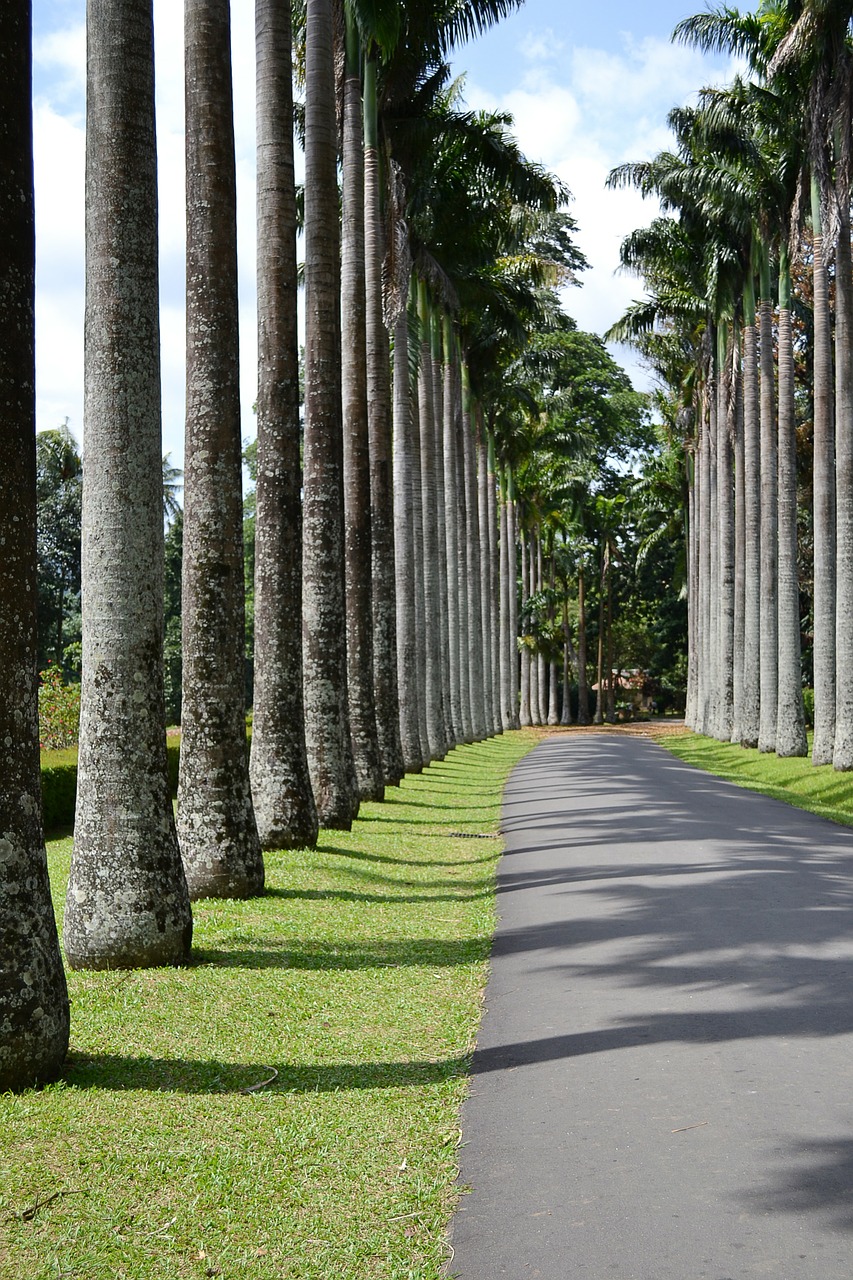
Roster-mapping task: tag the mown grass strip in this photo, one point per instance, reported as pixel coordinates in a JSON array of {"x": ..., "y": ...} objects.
[
  {"x": 797, "y": 781},
  {"x": 357, "y": 979}
]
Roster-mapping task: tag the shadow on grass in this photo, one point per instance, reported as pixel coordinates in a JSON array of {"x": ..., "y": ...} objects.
[
  {"x": 382, "y": 899},
  {"x": 117, "y": 1072},
  {"x": 335, "y": 955}
]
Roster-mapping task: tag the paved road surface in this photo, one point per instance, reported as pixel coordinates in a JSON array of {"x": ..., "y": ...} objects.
[{"x": 663, "y": 1086}]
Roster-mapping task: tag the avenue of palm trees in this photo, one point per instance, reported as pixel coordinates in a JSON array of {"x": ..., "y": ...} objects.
[
  {"x": 749, "y": 325},
  {"x": 387, "y": 522},
  {"x": 440, "y": 541}
]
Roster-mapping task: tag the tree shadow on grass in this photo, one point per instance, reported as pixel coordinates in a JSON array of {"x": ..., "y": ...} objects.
[
  {"x": 120, "y": 1072},
  {"x": 334, "y": 955},
  {"x": 382, "y": 899}
]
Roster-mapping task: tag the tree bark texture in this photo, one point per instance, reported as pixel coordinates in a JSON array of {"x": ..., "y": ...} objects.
[
  {"x": 740, "y": 565},
  {"x": 430, "y": 537},
  {"x": 281, "y": 787},
  {"x": 768, "y": 608},
  {"x": 824, "y": 511},
  {"x": 790, "y": 720},
  {"x": 418, "y": 564},
  {"x": 383, "y": 576},
  {"x": 725, "y": 535},
  {"x": 750, "y": 698},
  {"x": 463, "y": 550},
  {"x": 507, "y": 648},
  {"x": 127, "y": 903},
  {"x": 475, "y": 569},
  {"x": 327, "y": 729},
  {"x": 216, "y": 821},
  {"x": 512, "y": 538},
  {"x": 451, "y": 529},
  {"x": 440, "y": 515},
  {"x": 843, "y": 749},
  {"x": 358, "y": 547},
  {"x": 583, "y": 689},
  {"x": 704, "y": 598},
  {"x": 526, "y": 707},
  {"x": 33, "y": 994},
  {"x": 494, "y": 592},
  {"x": 404, "y": 533}
]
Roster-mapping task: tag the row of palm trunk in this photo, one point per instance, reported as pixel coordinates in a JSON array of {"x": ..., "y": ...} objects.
[
  {"x": 745, "y": 661},
  {"x": 385, "y": 596}
]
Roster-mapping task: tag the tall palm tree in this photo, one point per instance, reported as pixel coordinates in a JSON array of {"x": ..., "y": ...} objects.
[
  {"x": 33, "y": 994},
  {"x": 358, "y": 545},
  {"x": 383, "y": 576},
  {"x": 127, "y": 903},
  {"x": 216, "y": 821},
  {"x": 281, "y": 786},
  {"x": 327, "y": 727}
]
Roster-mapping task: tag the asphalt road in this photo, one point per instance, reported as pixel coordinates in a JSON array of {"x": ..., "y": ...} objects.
[{"x": 663, "y": 1085}]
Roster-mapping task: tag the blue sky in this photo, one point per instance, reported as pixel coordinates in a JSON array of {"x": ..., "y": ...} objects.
[{"x": 589, "y": 86}]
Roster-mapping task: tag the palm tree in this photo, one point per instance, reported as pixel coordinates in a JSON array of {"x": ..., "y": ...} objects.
[
  {"x": 358, "y": 547},
  {"x": 33, "y": 995},
  {"x": 383, "y": 577},
  {"x": 216, "y": 821},
  {"x": 127, "y": 903},
  {"x": 281, "y": 786},
  {"x": 327, "y": 727}
]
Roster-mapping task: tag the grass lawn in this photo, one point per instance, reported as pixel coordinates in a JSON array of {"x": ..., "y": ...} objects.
[
  {"x": 821, "y": 790},
  {"x": 357, "y": 978}
]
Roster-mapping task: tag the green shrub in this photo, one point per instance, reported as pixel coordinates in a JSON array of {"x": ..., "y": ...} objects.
[
  {"x": 59, "y": 710},
  {"x": 808, "y": 704},
  {"x": 58, "y": 794}
]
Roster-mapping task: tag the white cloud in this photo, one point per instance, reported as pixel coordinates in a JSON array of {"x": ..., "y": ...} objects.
[
  {"x": 581, "y": 114},
  {"x": 59, "y": 139}
]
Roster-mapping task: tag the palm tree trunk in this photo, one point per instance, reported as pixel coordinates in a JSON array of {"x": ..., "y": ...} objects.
[
  {"x": 404, "y": 550},
  {"x": 494, "y": 582},
  {"x": 740, "y": 554},
  {"x": 383, "y": 577},
  {"x": 526, "y": 709},
  {"x": 703, "y": 617},
  {"x": 452, "y": 536},
  {"x": 750, "y": 700},
  {"x": 482, "y": 480},
  {"x": 421, "y": 621},
  {"x": 327, "y": 729},
  {"x": 441, "y": 540},
  {"x": 475, "y": 568},
  {"x": 463, "y": 521},
  {"x": 33, "y": 993},
  {"x": 843, "y": 750},
  {"x": 824, "y": 507},
  {"x": 127, "y": 903},
  {"x": 512, "y": 538},
  {"x": 541, "y": 664},
  {"x": 566, "y": 710},
  {"x": 358, "y": 538},
  {"x": 281, "y": 787},
  {"x": 690, "y": 714},
  {"x": 429, "y": 540},
  {"x": 768, "y": 609},
  {"x": 600, "y": 697},
  {"x": 714, "y": 690},
  {"x": 583, "y": 691},
  {"x": 507, "y": 648},
  {"x": 535, "y": 714},
  {"x": 216, "y": 821},
  {"x": 725, "y": 535},
  {"x": 790, "y": 720}
]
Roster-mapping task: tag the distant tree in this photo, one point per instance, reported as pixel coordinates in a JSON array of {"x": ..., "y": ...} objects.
[{"x": 59, "y": 493}]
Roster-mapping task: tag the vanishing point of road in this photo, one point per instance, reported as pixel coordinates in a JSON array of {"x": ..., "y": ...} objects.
[{"x": 663, "y": 1084}]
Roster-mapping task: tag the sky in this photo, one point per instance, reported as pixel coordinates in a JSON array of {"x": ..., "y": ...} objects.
[{"x": 589, "y": 86}]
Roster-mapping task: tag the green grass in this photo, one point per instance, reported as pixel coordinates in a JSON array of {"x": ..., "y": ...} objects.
[
  {"x": 358, "y": 978},
  {"x": 797, "y": 781}
]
